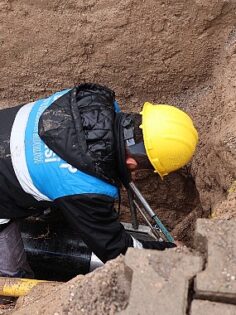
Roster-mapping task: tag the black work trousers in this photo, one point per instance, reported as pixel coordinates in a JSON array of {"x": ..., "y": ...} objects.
[{"x": 13, "y": 260}]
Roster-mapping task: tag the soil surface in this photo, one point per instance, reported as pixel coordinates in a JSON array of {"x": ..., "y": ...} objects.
[
  {"x": 145, "y": 281},
  {"x": 178, "y": 52},
  {"x": 104, "y": 291}
]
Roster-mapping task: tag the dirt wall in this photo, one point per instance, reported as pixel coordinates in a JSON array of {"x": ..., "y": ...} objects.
[
  {"x": 214, "y": 164},
  {"x": 181, "y": 52}
]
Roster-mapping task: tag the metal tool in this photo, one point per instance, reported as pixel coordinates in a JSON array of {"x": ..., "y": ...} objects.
[{"x": 138, "y": 202}]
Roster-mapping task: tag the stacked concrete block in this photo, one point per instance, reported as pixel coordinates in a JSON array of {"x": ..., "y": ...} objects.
[
  {"x": 145, "y": 282},
  {"x": 199, "y": 307},
  {"x": 217, "y": 281},
  {"x": 161, "y": 280}
]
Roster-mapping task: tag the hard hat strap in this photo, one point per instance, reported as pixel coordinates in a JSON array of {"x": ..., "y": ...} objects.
[
  {"x": 128, "y": 130},
  {"x": 124, "y": 133},
  {"x": 138, "y": 149}
]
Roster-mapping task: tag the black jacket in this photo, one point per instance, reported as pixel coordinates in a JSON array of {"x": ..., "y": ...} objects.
[{"x": 78, "y": 127}]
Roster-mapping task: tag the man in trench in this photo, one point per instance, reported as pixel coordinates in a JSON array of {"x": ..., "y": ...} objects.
[{"x": 73, "y": 150}]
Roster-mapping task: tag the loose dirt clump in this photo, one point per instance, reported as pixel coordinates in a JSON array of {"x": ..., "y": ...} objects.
[{"x": 104, "y": 291}]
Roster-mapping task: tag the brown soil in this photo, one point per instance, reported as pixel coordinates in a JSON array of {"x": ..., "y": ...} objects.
[
  {"x": 5, "y": 308},
  {"x": 105, "y": 291},
  {"x": 179, "y": 52},
  {"x": 175, "y": 52},
  {"x": 175, "y": 199}
]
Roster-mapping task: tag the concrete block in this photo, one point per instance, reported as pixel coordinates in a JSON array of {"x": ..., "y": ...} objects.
[
  {"x": 218, "y": 281},
  {"x": 160, "y": 281},
  {"x": 199, "y": 307}
]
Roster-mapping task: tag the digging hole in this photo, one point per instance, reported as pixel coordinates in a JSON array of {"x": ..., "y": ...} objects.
[
  {"x": 175, "y": 200},
  {"x": 56, "y": 252}
]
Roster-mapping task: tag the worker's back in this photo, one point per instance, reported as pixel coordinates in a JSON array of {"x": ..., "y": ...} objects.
[{"x": 31, "y": 173}]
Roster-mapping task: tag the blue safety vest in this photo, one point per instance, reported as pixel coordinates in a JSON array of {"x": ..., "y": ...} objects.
[{"x": 50, "y": 174}]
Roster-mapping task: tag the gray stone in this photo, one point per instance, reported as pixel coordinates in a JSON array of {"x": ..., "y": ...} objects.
[
  {"x": 209, "y": 308},
  {"x": 160, "y": 281},
  {"x": 218, "y": 281}
]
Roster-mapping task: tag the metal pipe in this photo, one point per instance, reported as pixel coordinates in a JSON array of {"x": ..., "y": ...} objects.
[
  {"x": 143, "y": 201},
  {"x": 155, "y": 232},
  {"x": 54, "y": 250},
  {"x": 19, "y": 287},
  {"x": 150, "y": 212},
  {"x": 133, "y": 210}
]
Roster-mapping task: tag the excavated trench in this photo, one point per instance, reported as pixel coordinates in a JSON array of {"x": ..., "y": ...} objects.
[
  {"x": 176, "y": 52},
  {"x": 175, "y": 200},
  {"x": 56, "y": 252}
]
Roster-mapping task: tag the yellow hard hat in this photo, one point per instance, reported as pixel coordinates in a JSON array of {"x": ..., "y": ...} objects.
[{"x": 169, "y": 135}]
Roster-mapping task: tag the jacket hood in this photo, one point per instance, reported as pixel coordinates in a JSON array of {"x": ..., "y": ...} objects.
[{"x": 79, "y": 127}]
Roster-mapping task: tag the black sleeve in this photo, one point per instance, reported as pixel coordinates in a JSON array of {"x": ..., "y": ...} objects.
[{"x": 96, "y": 220}]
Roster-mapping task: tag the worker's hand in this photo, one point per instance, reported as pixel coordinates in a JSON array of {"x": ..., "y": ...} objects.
[{"x": 157, "y": 245}]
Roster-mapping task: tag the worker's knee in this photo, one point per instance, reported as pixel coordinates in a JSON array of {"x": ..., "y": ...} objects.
[
  {"x": 4, "y": 223},
  {"x": 13, "y": 262}
]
